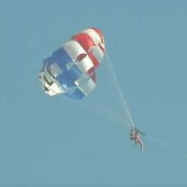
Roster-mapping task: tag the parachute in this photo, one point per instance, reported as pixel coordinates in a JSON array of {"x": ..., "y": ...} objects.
[{"x": 71, "y": 69}]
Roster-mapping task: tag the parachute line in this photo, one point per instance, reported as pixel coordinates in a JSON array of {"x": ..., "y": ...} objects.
[{"x": 125, "y": 107}]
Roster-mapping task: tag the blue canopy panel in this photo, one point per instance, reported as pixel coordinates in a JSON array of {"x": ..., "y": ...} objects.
[
  {"x": 76, "y": 94},
  {"x": 67, "y": 79},
  {"x": 67, "y": 74},
  {"x": 59, "y": 57}
]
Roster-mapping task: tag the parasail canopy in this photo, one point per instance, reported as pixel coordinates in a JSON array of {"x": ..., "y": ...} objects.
[{"x": 71, "y": 69}]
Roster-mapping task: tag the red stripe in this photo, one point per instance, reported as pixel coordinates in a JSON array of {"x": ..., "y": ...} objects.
[
  {"x": 81, "y": 56},
  {"x": 94, "y": 60},
  {"x": 84, "y": 40},
  {"x": 87, "y": 43},
  {"x": 98, "y": 31},
  {"x": 91, "y": 71},
  {"x": 92, "y": 74},
  {"x": 101, "y": 48}
]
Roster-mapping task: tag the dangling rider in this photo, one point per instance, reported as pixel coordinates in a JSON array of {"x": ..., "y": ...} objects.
[{"x": 136, "y": 136}]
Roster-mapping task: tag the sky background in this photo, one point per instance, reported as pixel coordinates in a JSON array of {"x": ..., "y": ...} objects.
[{"x": 48, "y": 141}]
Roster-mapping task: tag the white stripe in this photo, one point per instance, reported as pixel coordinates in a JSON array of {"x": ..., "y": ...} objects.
[
  {"x": 94, "y": 35},
  {"x": 97, "y": 52},
  {"x": 53, "y": 89},
  {"x": 85, "y": 64},
  {"x": 74, "y": 49},
  {"x": 102, "y": 45},
  {"x": 85, "y": 84}
]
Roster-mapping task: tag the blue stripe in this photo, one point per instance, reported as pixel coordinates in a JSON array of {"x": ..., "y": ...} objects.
[
  {"x": 59, "y": 57},
  {"x": 68, "y": 76},
  {"x": 76, "y": 94}
]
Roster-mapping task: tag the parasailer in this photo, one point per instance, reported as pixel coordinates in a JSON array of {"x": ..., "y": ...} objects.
[
  {"x": 136, "y": 136},
  {"x": 71, "y": 69}
]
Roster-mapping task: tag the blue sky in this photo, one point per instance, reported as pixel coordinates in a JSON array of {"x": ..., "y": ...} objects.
[{"x": 54, "y": 140}]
